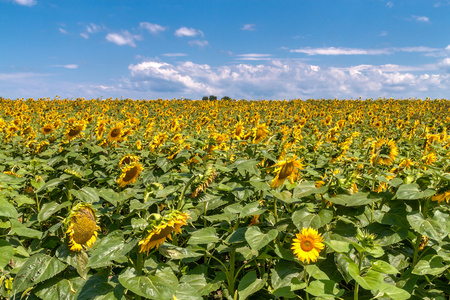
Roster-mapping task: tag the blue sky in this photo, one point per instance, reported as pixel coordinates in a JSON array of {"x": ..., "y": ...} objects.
[{"x": 243, "y": 49}]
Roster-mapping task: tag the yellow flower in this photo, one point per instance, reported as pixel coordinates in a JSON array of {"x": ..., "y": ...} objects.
[
  {"x": 115, "y": 134},
  {"x": 307, "y": 245},
  {"x": 82, "y": 229},
  {"x": 74, "y": 129},
  {"x": 441, "y": 197},
  {"x": 47, "y": 128},
  {"x": 286, "y": 169},
  {"x": 260, "y": 132},
  {"x": 128, "y": 160},
  {"x": 129, "y": 174},
  {"x": 161, "y": 229},
  {"x": 383, "y": 152}
]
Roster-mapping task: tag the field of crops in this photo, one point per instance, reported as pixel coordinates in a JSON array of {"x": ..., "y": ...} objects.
[{"x": 177, "y": 199}]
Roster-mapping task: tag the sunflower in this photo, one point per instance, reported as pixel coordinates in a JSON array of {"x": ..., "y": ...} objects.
[
  {"x": 82, "y": 227},
  {"x": 161, "y": 229},
  {"x": 383, "y": 152},
  {"x": 47, "y": 128},
  {"x": 115, "y": 134},
  {"x": 74, "y": 129},
  {"x": 129, "y": 174},
  {"x": 286, "y": 169},
  {"x": 260, "y": 132},
  {"x": 441, "y": 197},
  {"x": 307, "y": 245},
  {"x": 128, "y": 160}
]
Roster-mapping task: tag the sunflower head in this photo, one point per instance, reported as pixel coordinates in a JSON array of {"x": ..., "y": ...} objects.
[
  {"x": 160, "y": 228},
  {"x": 286, "y": 169},
  {"x": 74, "y": 129},
  {"x": 128, "y": 160},
  {"x": 47, "y": 128},
  {"x": 129, "y": 174},
  {"x": 307, "y": 245},
  {"x": 81, "y": 227},
  {"x": 115, "y": 134}
]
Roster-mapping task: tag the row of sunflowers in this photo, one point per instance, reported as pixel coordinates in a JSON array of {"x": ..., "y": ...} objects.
[{"x": 181, "y": 199}]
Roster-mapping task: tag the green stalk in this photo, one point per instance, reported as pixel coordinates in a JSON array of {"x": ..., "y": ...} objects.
[{"x": 361, "y": 258}]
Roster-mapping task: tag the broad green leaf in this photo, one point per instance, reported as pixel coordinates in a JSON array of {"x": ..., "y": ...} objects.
[
  {"x": 370, "y": 281},
  {"x": 6, "y": 253},
  {"x": 324, "y": 288},
  {"x": 428, "y": 227},
  {"x": 303, "y": 218},
  {"x": 284, "y": 196},
  {"x": 95, "y": 287},
  {"x": 314, "y": 271},
  {"x": 60, "y": 288},
  {"x": 37, "y": 268},
  {"x": 174, "y": 252},
  {"x": 86, "y": 194},
  {"x": 305, "y": 189},
  {"x": 109, "y": 195},
  {"x": 22, "y": 200},
  {"x": 412, "y": 191},
  {"x": 50, "y": 185},
  {"x": 252, "y": 209},
  {"x": 383, "y": 267},
  {"x": 357, "y": 199},
  {"x": 161, "y": 286},
  {"x": 199, "y": 283},
  {"x": 249, "y": 284},
  {"x": 203, "y": 236},
  {"x": 112, "y": 247},
  {"x": 257, "y": 240},
  {"x": 339, "y": 246},
  {"x": 23, "y": 231},
  {"x": 394, "y": 292},
  {"x": 7, "y": 209},
  {"x": 49, "y": 208},
  {"x": 164, "y": 164},
  {"x": 167, "y": 191},
  {"x": 430, "y": 265}
]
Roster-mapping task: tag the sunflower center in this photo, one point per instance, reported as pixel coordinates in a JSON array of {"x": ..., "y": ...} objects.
[
  {"x": 286, "y": 170},
  {"x": 163, "y": 234},
  {"x": 131, "y": 173},
  {"x": 75, "y": 131},
  {"x": 84, "y": 225},
  {"x": 307, "y": 244},
  {"x": 115, "y": 132}
]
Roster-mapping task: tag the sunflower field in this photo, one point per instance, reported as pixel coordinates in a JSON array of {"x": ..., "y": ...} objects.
[{"x": 180, "y": 199}]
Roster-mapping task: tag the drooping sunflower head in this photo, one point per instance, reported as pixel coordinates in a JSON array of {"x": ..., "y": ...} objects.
[
  {"x": 287, "y": 169},
  {"x": 130, "y": 174},
  {"x": 307, "y": 245},
  {"x": 74, "y": 129},
  {"x": 82, "y": 227},
  {"x": 384, "y": 152},
  {"x": 260, "y": 132},
  {"x": 161, "y": 228},
  {"x": 128, "y": 160},
  {"x": 47, "y": 128}
]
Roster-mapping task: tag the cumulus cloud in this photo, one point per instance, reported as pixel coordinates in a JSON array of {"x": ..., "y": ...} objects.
[
  {"x": 62, "y": 30},
  {"x": 123, "y": 38},
  {"x": 279, "y": 79},
  {"x": 152, "y": 28},
  {"x": 249, "y": 27},
  {"x": 421, "y": 19},
  {"x": 190, "y": 32},
  {"x": 92, "y": 29},
  {"x": 26, "y": 2}
]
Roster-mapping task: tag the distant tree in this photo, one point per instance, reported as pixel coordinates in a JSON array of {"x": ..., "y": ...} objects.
[
  {"x": 212, "y": 97},
  {"x": 226, "y": 98},
  {"x": 205, "y": 98}
]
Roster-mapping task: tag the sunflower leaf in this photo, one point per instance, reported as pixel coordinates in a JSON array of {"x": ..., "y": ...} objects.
[
  {"x": 7, "y": 209},
  {"x": 250, "y": 284},
  {"x": 257, "y": 240}
]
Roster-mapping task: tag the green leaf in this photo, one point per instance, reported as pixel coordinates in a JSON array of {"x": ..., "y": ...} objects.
[
  {"x": 303, "y": 218},
  {"x": 383, "y": 267},
  {"x": 6, "y": 253},
  {"x": 164, "y": 164},
  {"x": 324, "y": 288},
  {"x": 249, "y": 284},
  {"x": 412, "y": 191},
  {"x": 162, "y": 285},
  {"x": 252, "y": 209},
  {"x": 167, "y": 191},
  {"x": 21, "y": 230},
  {"x": 109, "y": 195},
  {"x": 174, "y": 252},
  {"x": 203, "y": 236},
  {"x": 86, "y": 194},
  {"x": 430, "y": 265},
  {"x": 50, "y": 184},
  {"x": 284, "y": 196},
  {"x": 97, "y": 287},
  {"x": 49, "y": 208},
  {"x": 339, "y": 246},
  {"x": 60, "y": 288},
  {"x": 357, "y": 199},
  {"x": 199, "y": 283},
  {"x": 257, "y": 240},
  {"x": 37, "y": 268},
  {"x": 22, "y": 200},
  {"x": 394, "y": 292},
  {"x": 370, "y": 281},
  {"x": 428, "y": 227},
  {"x": 7, "y": 209},
  {"x": 112, "y": 247},
  {"x": 307, "y": 188}
]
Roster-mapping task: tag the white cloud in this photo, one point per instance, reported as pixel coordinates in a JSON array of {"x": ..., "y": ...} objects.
[
  {"x": 359, "y": 51},
  {"x": 191, "y": 32},
  {"x": 123, "y": 38},
  {"x": 174, "y": 54},
  {"x": 248, "y": 27},
  {"x": 253, "y": 56},
  {"x": 389, "y": 4},
  {"x": 421, "y": 19},
  {"x": 152, "y": 28},
  {"x": 93, "y": 28},
  {"x": 62, "y": 30},
  {"x": 69, "y": 66},
  {"x": 279, "y": 79},
  {"x": 383, "y": 33},
  {"x": 198, "y": 43},
  {"x": 26, "y": 2}
]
